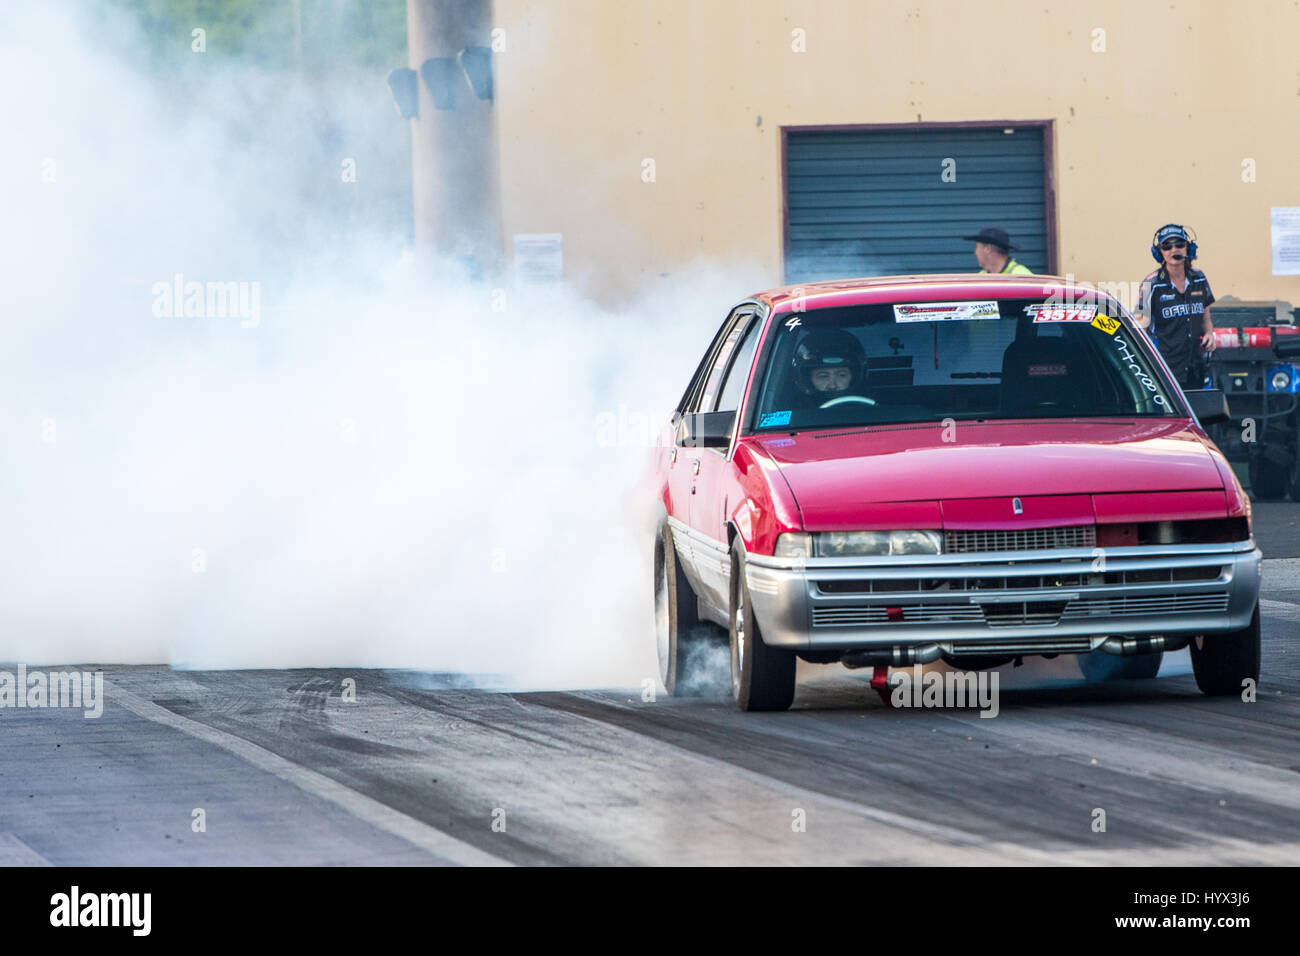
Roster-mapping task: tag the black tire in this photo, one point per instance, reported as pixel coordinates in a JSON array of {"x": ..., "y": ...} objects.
[
  {"x": 1222, "y": 662},
  {"x": 1100, "y": 666},
  {"x": 977, "y": 662},
  {"x": 690, "y": 650},
  {"x": 1268, "y": 480},
  {"x": 762, "y": 677}
]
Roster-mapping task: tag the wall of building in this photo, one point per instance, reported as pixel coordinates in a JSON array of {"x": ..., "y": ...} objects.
[{"x": 1154, "y": 127}]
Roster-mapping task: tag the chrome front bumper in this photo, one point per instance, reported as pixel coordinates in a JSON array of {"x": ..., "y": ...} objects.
[{"x": 1062, "y": 601}]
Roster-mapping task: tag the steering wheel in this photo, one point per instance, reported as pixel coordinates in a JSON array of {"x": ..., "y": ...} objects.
[{"x": 855, "y": 399}]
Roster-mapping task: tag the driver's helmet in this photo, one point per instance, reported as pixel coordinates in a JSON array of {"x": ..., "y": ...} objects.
[{"x": 819, "y": 361}]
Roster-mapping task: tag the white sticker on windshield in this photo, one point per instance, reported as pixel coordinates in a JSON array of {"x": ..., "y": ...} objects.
[
  {"x": 946, "y": 311},
  {"x": 1130, "y": 362},
  {"x": 1058, "y": 313}
]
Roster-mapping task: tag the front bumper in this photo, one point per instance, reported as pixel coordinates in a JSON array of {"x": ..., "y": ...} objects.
[{"x": 1060, "y": 601}]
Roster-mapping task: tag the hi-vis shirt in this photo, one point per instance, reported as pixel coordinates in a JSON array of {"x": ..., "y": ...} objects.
[
  {"x": 1177, "y": 318},
  {"x": 1012, "y": 268}
]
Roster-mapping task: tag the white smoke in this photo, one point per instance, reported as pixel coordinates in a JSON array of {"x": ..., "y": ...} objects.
[{"x": 383, "y": 469}]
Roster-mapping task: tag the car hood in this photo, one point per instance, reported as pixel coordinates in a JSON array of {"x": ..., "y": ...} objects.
[{"x": 829, "y": 471}]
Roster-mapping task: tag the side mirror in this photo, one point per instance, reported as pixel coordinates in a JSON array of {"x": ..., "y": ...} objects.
[
  {"x": 1209, "y": 405},
  {"x": 1286, "y": 347},
  {"x": 706, "y": 430}
]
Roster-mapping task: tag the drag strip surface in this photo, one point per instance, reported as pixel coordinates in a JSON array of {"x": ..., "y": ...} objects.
[{"x": 416, "y": 770}]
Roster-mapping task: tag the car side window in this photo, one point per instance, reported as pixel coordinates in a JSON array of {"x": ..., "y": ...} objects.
[
  {"x": 713, "y": 384},
  {"x": 690, "y": 401},
  {"x": 733, "y": 385}
]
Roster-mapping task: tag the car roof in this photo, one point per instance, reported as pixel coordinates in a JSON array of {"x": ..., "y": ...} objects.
[{"x": 864, "y": 291}]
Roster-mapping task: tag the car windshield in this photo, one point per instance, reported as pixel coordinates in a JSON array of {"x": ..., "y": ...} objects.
[{"x": 927, "y": 361}]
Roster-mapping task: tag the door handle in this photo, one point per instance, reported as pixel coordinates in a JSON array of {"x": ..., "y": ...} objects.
[{"x": 695, "y": 467}]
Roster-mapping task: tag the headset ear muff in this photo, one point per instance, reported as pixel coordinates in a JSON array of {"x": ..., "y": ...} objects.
[{"x": 1155, "y": 254}]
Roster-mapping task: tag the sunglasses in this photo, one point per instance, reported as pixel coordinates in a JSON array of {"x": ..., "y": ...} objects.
[{"x": 1173, "y": 244}]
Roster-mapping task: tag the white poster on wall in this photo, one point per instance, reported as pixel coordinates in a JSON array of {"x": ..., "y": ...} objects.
[
  {"x": 539, "y": 257},
  {"x": 1285, "y": 227}
]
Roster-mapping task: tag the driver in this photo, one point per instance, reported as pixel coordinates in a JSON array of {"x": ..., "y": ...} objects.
[{"x": 829, "y": 364}]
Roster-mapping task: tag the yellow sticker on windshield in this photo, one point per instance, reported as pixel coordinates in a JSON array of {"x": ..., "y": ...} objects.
[{"x": 1106, "y": 324}]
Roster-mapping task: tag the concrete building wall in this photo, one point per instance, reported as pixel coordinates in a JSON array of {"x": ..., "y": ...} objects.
[{"x": 1154, "y": 119}]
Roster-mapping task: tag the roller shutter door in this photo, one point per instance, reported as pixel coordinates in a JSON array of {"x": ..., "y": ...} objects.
[{"x": 866, "y": 202}]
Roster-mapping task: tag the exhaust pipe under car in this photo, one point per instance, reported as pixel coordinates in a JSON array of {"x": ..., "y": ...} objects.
[
  {"x": 892, "y": 656},
  {"x": 905, "y": 656},
  {"x": 1131, "y": 646}
]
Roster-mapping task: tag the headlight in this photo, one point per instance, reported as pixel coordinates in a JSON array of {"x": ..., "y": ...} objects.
[
  {"x": 842, "y": 544},
  {"x": 835, "y": 544},
  {"x": 792, "y": 545},
  {"x": 915, "y": 542},
  {"x": 1281, "y": 380}
]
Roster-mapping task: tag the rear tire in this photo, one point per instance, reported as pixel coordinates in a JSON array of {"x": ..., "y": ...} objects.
[
  {"x": 762, "y": 677},
  {"x": 690, "y": 650},
  {"x": 1268, "y": 480},
  {"x": 1222, "y": 662}
]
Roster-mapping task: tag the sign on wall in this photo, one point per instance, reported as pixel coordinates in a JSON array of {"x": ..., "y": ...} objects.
[
  {"x": 1285, "y": 228},
  {"x": 539, "y": 257}
]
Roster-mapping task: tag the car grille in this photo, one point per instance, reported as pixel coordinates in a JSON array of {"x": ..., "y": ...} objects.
[
  {"x": 912, "y": 613},
  {"x": 1020, "y": 539},
  {"x": 1145, "y": 604},
  {"x": 1019, "y": 583},
  {"x": 1057, "y": 645},
  {"x": 1022, "y": 613}
]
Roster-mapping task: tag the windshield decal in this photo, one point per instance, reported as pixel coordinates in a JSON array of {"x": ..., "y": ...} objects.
[
  {"x": 1106, "y": 324},
  {"x": 1036, "y": 371},
  {"x": 775, "y": 418},
  {"x": 1058, "y": 313},
  {"x": 1131, "y": 362},
  {"x": 946, "y": 311}
]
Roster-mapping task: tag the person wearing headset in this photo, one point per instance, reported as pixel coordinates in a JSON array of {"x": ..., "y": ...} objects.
[{"x": 1174, "y": 306}]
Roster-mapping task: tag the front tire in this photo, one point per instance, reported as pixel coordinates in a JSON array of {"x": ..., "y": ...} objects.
[
  {"x": 1223, "y": 662},
  {"x": 762, "y": 677},
  {"x": 1268, "y": 480},
  {"x": 689, "y": 649}
]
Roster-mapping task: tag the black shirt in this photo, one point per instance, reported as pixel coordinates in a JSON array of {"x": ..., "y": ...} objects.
[{"x": 1177, "y": 318}]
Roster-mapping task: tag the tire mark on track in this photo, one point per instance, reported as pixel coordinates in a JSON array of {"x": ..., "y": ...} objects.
[
  {"x": 443, "y": 846},
  {"x": 606, "y": 714}
]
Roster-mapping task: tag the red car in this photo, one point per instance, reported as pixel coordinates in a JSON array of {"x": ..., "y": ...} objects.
[{"x": 885, "y": 472}]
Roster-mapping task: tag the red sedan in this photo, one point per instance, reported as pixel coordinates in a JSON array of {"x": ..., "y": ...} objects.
[{"x": 886, "y": 472}]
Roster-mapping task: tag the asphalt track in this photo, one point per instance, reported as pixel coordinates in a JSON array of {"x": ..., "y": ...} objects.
[{"x": 420, "y": 771}]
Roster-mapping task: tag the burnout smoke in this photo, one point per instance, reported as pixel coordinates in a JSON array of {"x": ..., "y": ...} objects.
[{"x": 384, "y": 469}]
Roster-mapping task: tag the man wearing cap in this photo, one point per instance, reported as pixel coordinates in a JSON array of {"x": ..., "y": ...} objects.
[
  {"x": 1174, "y": 305},
  {"x": 993, "y": 252}
]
